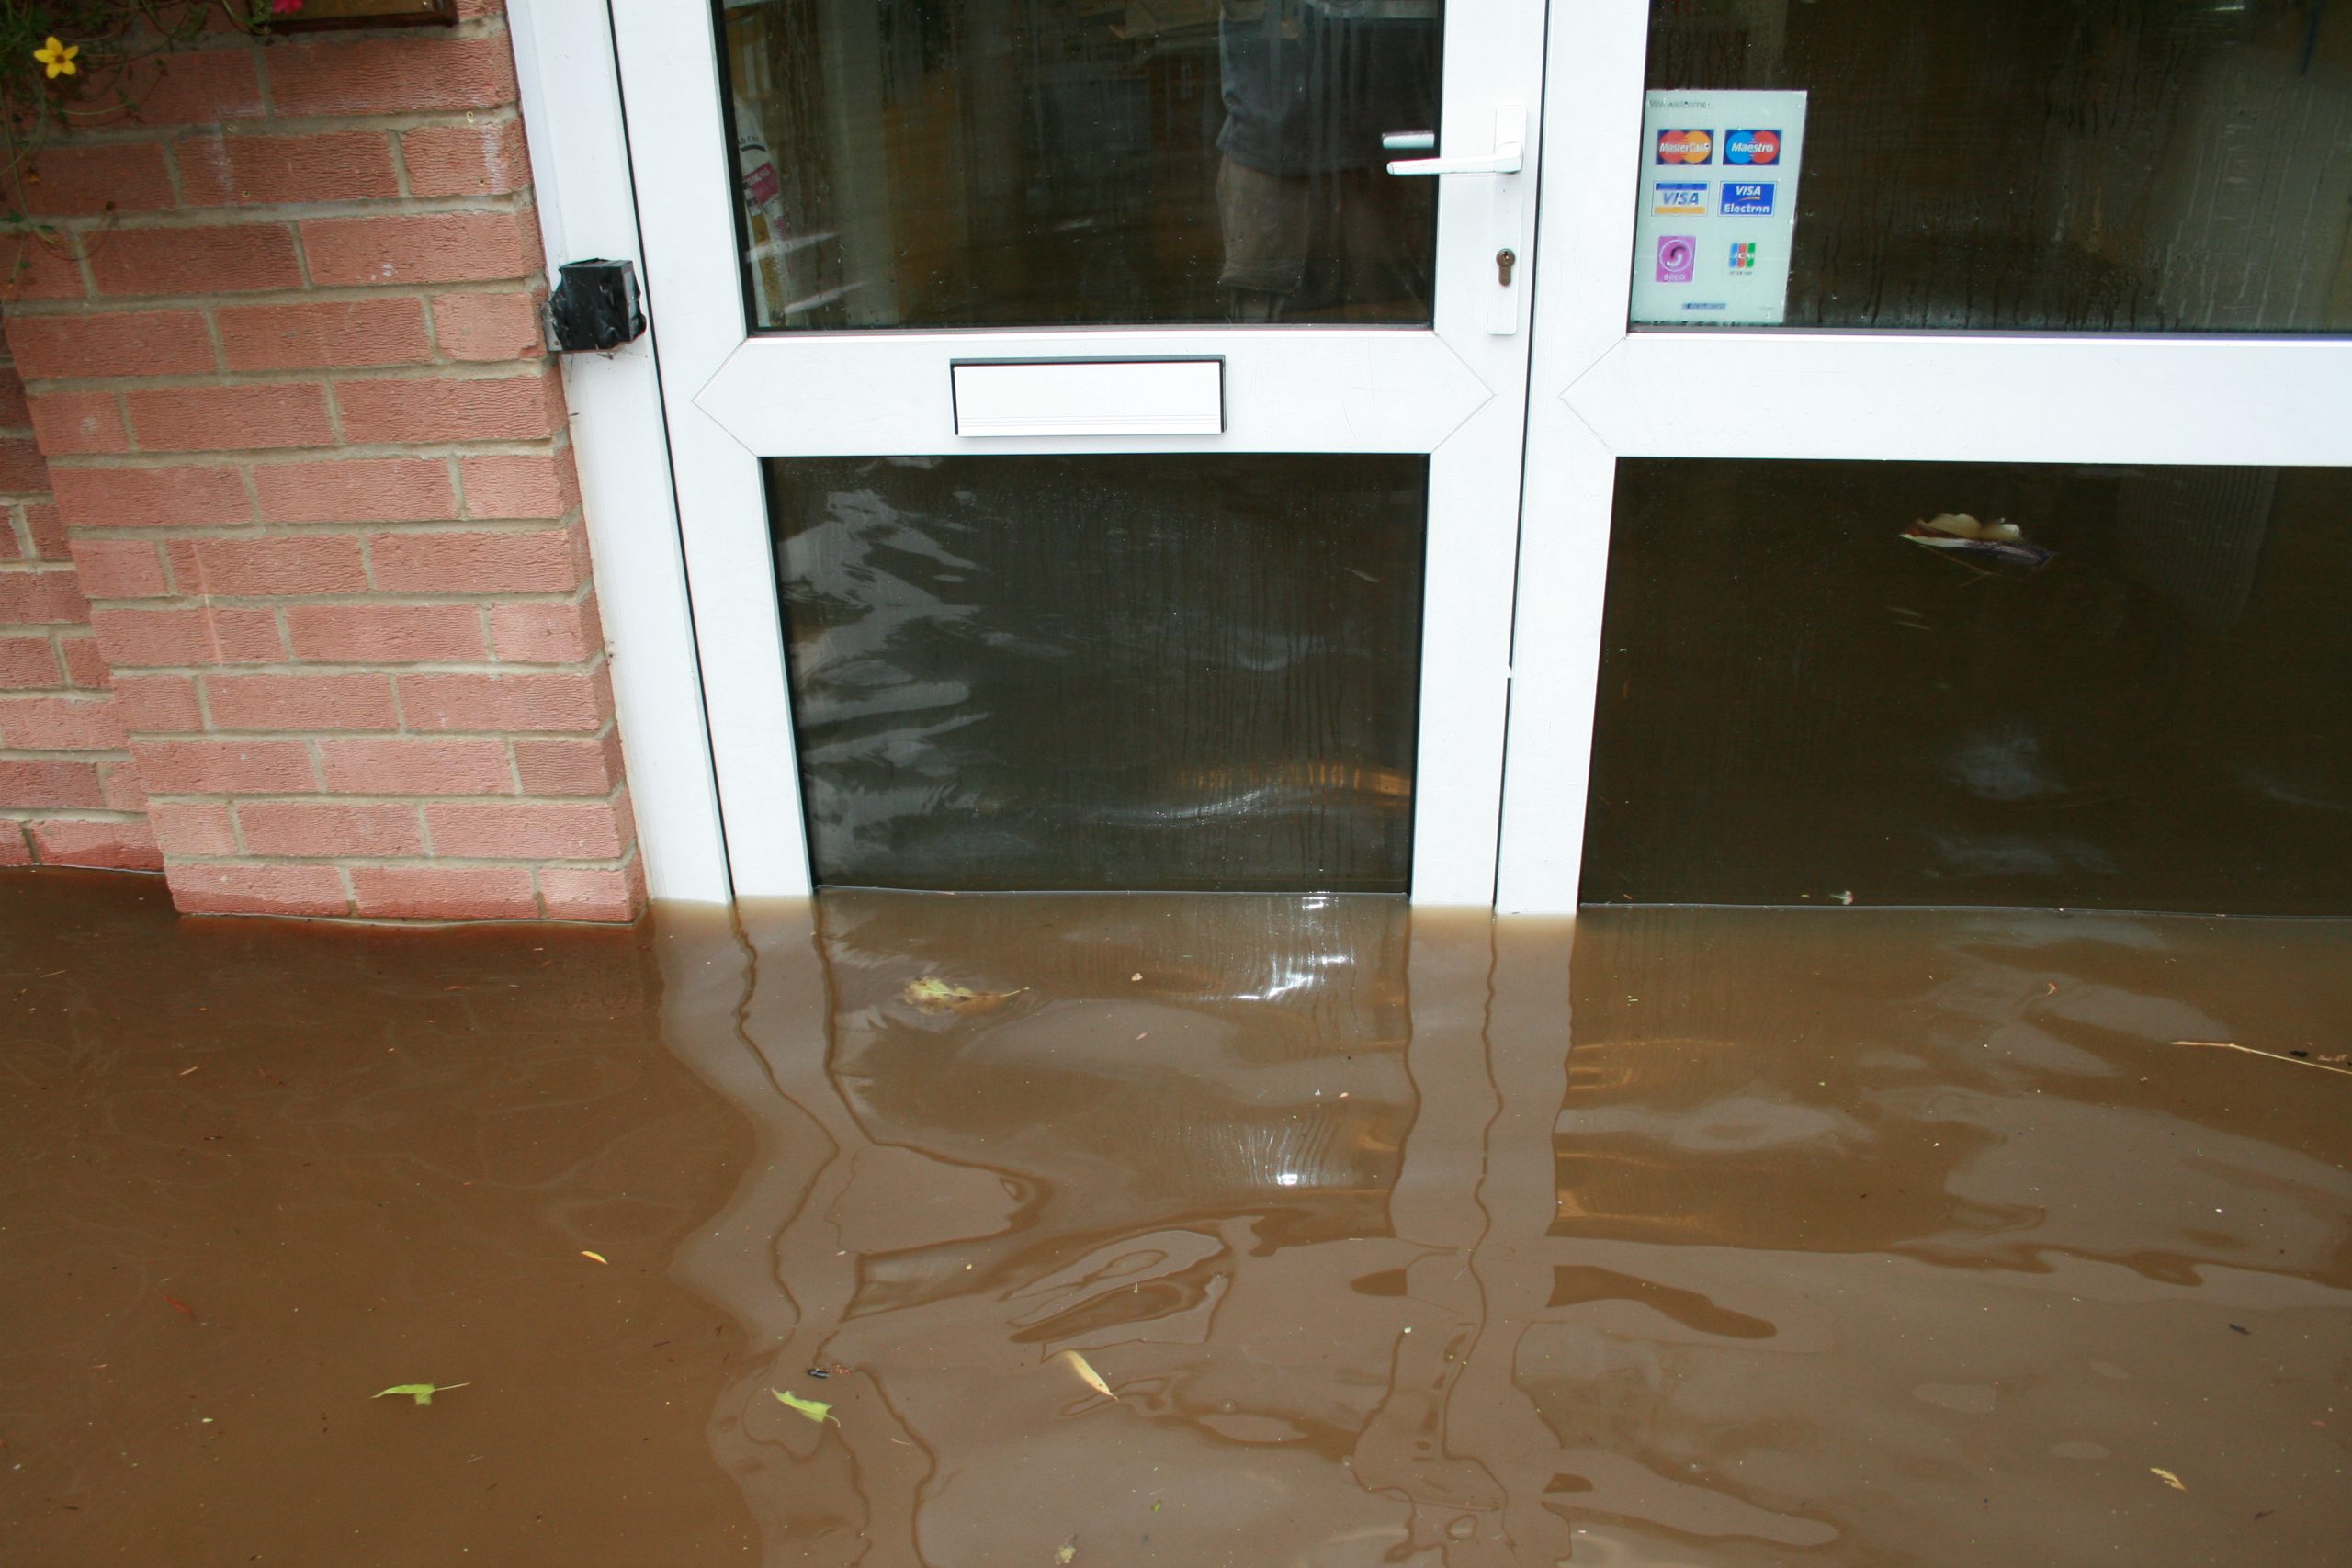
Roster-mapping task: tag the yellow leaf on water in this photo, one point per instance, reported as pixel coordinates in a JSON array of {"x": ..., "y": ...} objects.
[
  {"x": 2168, "y": 1477},
  {"x": 816, "y": 1410},
  {"x": 1068, "y": 1553},
  {"x": 933, "y": 994},
  {"x": 1093, "y": 1378},
  {"x": 594, "y": 1256}
]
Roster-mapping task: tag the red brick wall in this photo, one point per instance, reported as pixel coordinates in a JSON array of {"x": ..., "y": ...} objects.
[{"x": 282, "y": 358}]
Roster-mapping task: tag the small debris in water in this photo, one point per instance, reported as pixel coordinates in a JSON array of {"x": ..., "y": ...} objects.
[
  {"x": 1093, "y": 1378},
  {"x": 2168, "y": 1477},
  {"x": 1069, "y": 1552},
  {"x": 932, "y": 994},
  {"x": 594, "y": 1256},
  {"x": 816, "y": 1410},
  {"x": 180, "y": 1306},
  {"x": 2324, "y": 1064},
  {"x": 422, "y": 1392},
  {"x": 834, "y": 1369}
]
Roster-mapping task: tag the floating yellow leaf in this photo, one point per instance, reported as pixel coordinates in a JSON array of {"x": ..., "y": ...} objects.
[
  {"x": 933, "y": 994},
  {"x": 1093, "y": 1378},
  {"x": 594, "y": 1256},
  {"x": 422, "y": 1392},
  {"x": 2168, "y": 1477},
  {"x": 816, "y": 1410},
  {"x": 1068, "y": 1553}
]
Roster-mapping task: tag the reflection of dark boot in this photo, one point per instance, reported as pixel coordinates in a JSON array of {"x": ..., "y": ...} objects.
[{"x": 1257, "y": 305}]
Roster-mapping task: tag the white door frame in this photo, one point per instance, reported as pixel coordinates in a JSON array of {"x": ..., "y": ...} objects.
[
  {"x": 1456, "y": 391},
  {"x": 1600, "y": 391}
]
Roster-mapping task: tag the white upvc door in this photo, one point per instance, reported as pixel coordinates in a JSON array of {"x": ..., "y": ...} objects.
[
  {"x": 1455, "y": 391},
  {"x": 1600, "y": 391}
]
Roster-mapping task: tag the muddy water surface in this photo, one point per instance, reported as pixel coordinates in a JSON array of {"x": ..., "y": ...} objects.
[{"x": 1689, "y": 1237}]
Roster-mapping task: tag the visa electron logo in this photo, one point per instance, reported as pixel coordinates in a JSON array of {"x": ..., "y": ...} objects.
[
  {"x": 1746, "y": 198},
  {"x": 1751, "y": 146},
  {"x": 1679, "y": 196},
  {"x": 1687, "y": 146},
  {"x": 1743, "y": 256}
]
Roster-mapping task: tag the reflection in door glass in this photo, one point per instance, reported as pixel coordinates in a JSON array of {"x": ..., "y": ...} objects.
[
  {"x": 1052, "y": 163},
  {"x": 1976, "y": 684},
  {"x": 2091, "y": 165},
  {"x": 1140, "y": 672}
]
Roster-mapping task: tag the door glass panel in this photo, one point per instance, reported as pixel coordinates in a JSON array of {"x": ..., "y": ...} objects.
[
  {"x": 2091, "y": 165},
  {"x": 1052, "y": 163},
  {"x": 2133, "y": 696},
  {"x": 1138, "y": 672}
]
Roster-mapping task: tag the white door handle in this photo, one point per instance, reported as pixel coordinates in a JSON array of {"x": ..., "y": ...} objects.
[{"x": 1508, "y": 206}]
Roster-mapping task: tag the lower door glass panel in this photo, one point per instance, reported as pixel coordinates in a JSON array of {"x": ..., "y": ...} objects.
[
  {"x": 1089, "y": 673},
  {"x": 2134, "y": 695}
]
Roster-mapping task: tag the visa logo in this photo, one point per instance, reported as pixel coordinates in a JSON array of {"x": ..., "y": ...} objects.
[
  {"x": 1746, "y": 198},
  {"x": 1677, "y": 198}
]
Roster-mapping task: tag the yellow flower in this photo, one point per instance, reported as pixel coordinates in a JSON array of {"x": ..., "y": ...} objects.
[{"x": 59, "y": 58}]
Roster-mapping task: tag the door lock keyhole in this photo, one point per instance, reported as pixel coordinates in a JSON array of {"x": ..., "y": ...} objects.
[{"x": 1505, "y": 260}]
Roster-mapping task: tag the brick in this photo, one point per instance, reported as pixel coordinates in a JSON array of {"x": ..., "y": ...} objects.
[
  {"x": 184, "y": 88},
  {"x": 121, "y": 569},
  {"x": 546, "y": 632},
  {"x": 444, "y": 893},
  {"x": 185, "y": 828},
  {"x": 481, "y": 327},
  {"x": 60, "y": 724},
  {"x": 140, "y": 497},
  {"x": 301, "y": 702},
  {"x": 231, "y": 259},
  {"x": 335, "y": 165},
  {"x": 48, "y": 529},
  {"x": 33, "y": 783},
  {"x": 319, "y": 827},
  {"x": 594, "y": 893},
  {"x": 14, "y": 849},
  {"x": 225, "y": 418},
  {"x": 31, "y": 598},
  {"x": 225, "y": 767},
  {"x": 473, "y": 158},
  {"x": 523, "y": 830},
  {"x": 519, "y": 485},
  {"x": 94, "y": 177},
  {"x": 23, "y": 469},
  {"x": 386, "y": 634},
  {"x": 223, "y": 888},
  {"x": 110, "y": 843},
  {"x": 570, "y": 767},
  {"x": 69, "y": 424},
  {"x": 119, "y": 786},
  {"x": 36, "y": 266},
  {"x": 27, "y": 663},
  {"x": 504, "y": 703},
  {"x": 491, "y": 407},
  {"x": 112, "y": 343},
  {"x": 416, "y": 767},
  {"x": 409, "y": 74},
  {"x": 364, "y": 490},
  {"x": 269, "y": 565},
  {"x": 343, "y": 333},
  {"x": 84, "y": 666},
  {"x": 432, "y": 247},
  {"x": 539, "y": 561},
  {"x": 146, "y": 638},
  {"x": 13, "y": 412},
  {"x": 158, "y": 705}
]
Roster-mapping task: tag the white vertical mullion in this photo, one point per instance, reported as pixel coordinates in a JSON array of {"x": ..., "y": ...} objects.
[
  {"x": 1591, "y": 166},
  {"x": 572, "y": 119},
  {"x": 678, "y": 144}
]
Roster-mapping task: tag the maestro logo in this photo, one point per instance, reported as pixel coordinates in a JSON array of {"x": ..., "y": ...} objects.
[
  {"x": 1677, "y": 258},
  {"x": 1687, "y": 146},
  {"x": 1746, "y": 198},
  {"x": 1673, "y": 197},
  {"x": 1751, "y": 146}
]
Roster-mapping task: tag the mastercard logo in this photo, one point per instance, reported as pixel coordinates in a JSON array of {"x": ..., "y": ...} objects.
[{"x": 1685, "y": 146}]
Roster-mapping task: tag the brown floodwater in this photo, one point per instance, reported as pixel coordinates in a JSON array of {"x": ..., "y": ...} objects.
[{"x": 1674, "y": 1237}]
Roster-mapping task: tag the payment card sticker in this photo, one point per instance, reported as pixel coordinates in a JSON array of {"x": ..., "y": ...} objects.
[{"x": 1717, "y": 250}]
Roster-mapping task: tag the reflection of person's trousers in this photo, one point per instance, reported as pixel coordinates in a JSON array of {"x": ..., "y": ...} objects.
[{"x": 1354, "y": 242}]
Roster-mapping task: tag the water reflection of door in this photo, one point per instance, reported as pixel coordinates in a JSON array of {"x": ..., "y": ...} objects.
[{"x": 1236, "y": 616}]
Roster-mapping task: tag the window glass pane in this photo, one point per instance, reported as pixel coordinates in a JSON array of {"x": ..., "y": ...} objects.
[
  {"x": 1806, "y": 693},
  {"x": 1182, "y": 673},
  {"x": 2074, "y": 165},
  {"x": 1042, "y": 163}
]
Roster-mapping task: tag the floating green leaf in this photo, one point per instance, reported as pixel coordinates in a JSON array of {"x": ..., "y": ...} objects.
[
  {"x": 422, "y": 1392},
  {"x": 816, "y": 1410}
]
